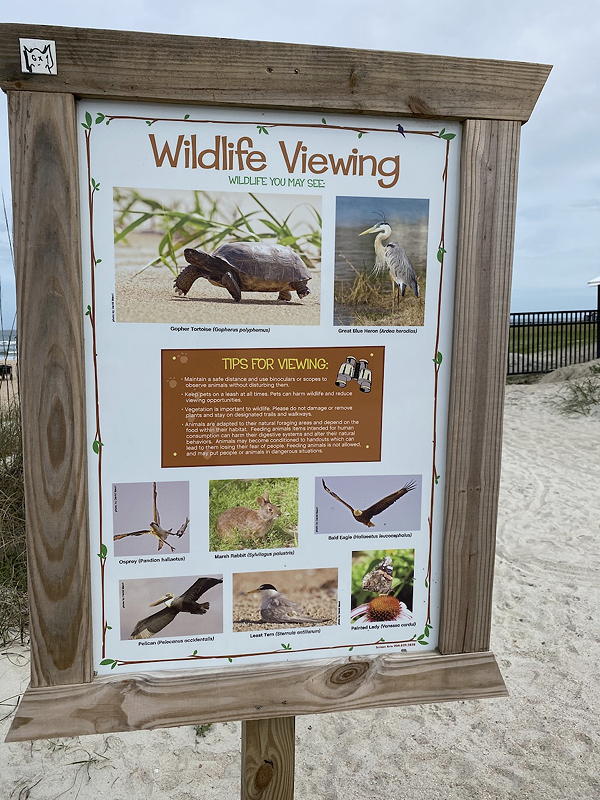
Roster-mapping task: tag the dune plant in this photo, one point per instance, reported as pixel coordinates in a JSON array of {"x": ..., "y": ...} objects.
[
  {"x": 206, "y": 223},
  {"x": 369, "y": 298},
  {"x": 13, "y": 561},
  {"x": 579, "y": 397}
]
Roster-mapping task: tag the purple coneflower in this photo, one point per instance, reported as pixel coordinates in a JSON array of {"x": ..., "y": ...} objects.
[{"x": 383, "y": 608}]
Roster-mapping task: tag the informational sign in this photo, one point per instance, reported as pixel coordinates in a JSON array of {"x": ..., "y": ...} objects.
[{"x": 268, "y": 300}]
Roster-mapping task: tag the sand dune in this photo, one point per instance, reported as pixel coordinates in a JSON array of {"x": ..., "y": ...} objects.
[{"x": 541, "y": 743}]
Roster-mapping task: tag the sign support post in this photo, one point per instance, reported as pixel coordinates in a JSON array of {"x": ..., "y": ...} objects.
[{"x": 268, "y": 748}]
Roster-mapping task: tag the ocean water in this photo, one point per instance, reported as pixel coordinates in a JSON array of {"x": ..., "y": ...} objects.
[{"x": 8, "y": 344}]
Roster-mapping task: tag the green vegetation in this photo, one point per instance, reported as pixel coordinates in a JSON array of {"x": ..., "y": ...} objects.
[
  {"x": 528, "y": 339},
  {"x": 226, "y": 494},
  {"x": 369, "y": 300},
  {"x": 206, "y": 224},
  {"x": 202, "y": 729},
  {"x": 580, "y": 396},
  {"x": 403, "y": 564},
  {"x": 13, "y": 561}
]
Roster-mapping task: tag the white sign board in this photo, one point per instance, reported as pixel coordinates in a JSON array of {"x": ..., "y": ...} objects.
[{"x": 268, "y": 315}]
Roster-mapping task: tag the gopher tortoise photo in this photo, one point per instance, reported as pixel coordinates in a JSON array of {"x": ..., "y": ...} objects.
[{"x": 247, "y": 267}]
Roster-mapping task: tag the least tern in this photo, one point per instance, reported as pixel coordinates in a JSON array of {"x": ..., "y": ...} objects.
[{"x": 276, "y": 607}]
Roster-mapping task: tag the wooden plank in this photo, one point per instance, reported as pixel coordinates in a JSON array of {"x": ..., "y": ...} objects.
[
  {"x": 268, "y": 748},
  {"x": 188, "y": 69},
  {"x": 490, "y": 152},
  {"x": 187, "y": 697},
  {"x": 47, "y": 258}
]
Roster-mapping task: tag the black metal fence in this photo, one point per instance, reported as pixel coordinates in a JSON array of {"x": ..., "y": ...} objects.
[{"x": 540, "y": 341}]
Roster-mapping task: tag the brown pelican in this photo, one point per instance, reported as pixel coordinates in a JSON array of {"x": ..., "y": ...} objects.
[
  {"x": 154, "y": 527},
  {"x": 175, "y": 605},
  {"x": 276, "y": 607},
  {"x": 392, "y": 257},
  {"x": 381, "y": 505}
]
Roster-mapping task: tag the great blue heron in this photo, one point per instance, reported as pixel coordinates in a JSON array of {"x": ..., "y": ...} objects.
[
  {"x": 276, "y": 607},
  {"x": 392, "y": 257},
  {"x": 374, "y": 509},
  {"x": 155, "y": 528},
  {"x": 175, "y": 605}
]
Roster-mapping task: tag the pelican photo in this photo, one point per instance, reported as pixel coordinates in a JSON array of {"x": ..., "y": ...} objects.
[
  {"x": 380, "y": 261},
  {"x": 293, "y": 598},
  {"x": 151, "y": 517},
  {"x": 186, "y": 605},
  {"x": 357, "y": 503}
]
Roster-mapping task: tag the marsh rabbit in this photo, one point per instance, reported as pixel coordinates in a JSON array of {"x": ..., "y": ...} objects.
[{"x": 249, "y": 521}]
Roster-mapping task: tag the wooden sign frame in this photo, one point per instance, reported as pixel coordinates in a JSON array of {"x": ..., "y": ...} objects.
[{"x": 491, "y": 99}]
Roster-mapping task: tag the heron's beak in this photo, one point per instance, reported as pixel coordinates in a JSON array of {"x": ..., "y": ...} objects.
[
  {"x": 372, "y": 229},
  {"x": 161, "y": 600},
  {"x": 253, "y": 591}
]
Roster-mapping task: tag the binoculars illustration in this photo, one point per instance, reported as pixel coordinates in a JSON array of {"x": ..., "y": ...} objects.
[{"x": 354, "y": 369}]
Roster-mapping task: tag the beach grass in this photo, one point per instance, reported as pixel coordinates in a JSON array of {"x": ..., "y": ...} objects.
[
  {"x": 369, "y": 299},
  {"x": 580, "y": 396},
  {"x": 13, "y": 560},
  {"x": 206, "y": 224}
]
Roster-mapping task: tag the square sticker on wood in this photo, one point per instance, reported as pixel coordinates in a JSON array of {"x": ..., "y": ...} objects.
[{"x": 38, "y": 56}]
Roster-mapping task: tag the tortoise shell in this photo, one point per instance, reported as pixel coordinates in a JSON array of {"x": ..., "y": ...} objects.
[{"x": 266, "y": 260}]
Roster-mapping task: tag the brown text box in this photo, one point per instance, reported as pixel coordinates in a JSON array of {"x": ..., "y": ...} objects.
[{"x": 268, "y": 406}]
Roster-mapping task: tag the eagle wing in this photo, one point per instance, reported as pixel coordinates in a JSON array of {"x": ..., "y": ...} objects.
[
  {"x": 148, "y": 626},
  {"x": 386, "y": 502},
  {"x": 199, "y": 587},
  {"x": 131, "y": 533},
  {"x": 337, "y": 497}
]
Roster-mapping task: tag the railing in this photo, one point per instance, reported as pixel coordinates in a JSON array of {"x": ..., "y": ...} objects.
[{"x": 540, "y": 341}]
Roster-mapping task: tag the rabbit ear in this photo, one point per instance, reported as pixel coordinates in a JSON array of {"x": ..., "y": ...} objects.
[{"x": 261, "y": 500}]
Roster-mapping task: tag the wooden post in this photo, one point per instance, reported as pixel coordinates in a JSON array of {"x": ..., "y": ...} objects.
[{"x": 268, "y": 748}]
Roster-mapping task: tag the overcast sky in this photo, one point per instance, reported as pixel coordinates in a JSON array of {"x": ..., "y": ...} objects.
[{"x": 558, "y": 215}]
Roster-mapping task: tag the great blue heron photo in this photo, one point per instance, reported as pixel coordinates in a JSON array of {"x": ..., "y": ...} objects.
[
  {"x": 380, "y": 281},
  {"x": 391, "y": 258}
]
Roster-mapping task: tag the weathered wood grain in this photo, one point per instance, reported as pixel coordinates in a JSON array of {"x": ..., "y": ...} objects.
[
  {"x": 268, "y": 750},
  {"x": 489, "y": 160},
  {"x": 187, "y": 697},
  {"x": 49, "y": 295},
  {"x": 187, "y": 69}
]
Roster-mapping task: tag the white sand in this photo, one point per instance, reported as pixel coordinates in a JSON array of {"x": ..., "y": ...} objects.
[{"x": 540, "y": 744}]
